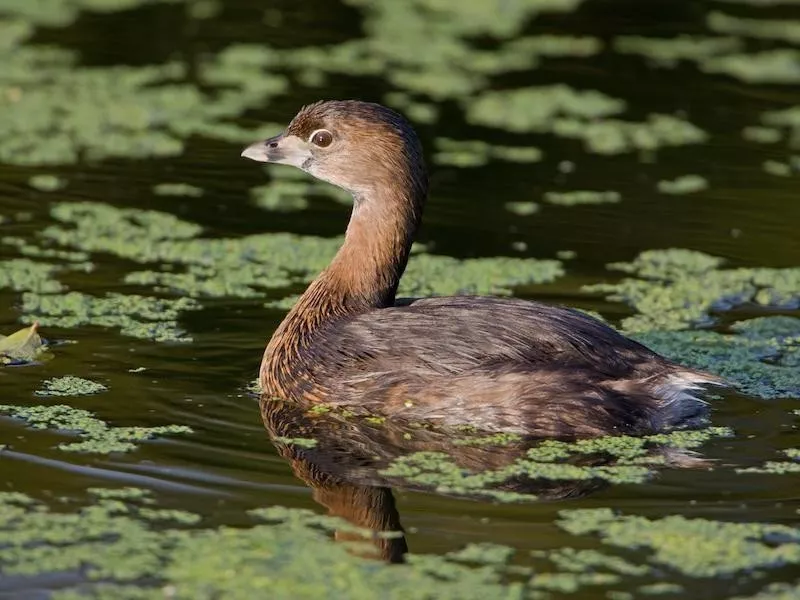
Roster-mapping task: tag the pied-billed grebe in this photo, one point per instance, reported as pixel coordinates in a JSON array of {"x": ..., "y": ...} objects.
[{"x": 494, "y": 363}]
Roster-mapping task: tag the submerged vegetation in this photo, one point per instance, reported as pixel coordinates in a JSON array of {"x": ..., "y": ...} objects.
[{"x": 127, "y": 231}]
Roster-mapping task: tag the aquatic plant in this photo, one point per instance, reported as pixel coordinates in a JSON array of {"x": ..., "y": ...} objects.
[
  {"x": 97, "y": 437},
  {"x": 677, "y": 288},
  {"x": 70, "y": 385}
]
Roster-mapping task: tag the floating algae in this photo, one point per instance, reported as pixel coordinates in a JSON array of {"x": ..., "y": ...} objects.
[
  {"x": 120, "y": 547},
  {"x": 613, "y": 136},
  {"x": 289, "y": 191},
  {"x": 429, "y": 275},
  {"x": 667, "y": 52},
  {"x": 47, "y": 183},
  {"x": 633, "y": 461},
  {"x": 177, "y": 189},
  {"x": 678, "y": 288},
  {"x": 59, "y": 13},
  {"x": 771, "y": 66},
  {"x": 136, "y": 316},
  {"x": 761, "y": 357},
  {"x": 779, "y": 169},
  {"x": 523, "y": 209},
  {"x": 70, "y": 386},
  {"x": 685, "y": 184},
  {"x": 299, "y": 442},
  {"x": 579, "y": 197},
  {"x": 534, "y": 109},
  {"x": 475, "y": 153},
  {"x": 762, "y": 135},
  {"x": 783, "y": 30},
  {"x": 113, "y": 112},
  {"x": 97, "y": 437},
  {"x": 22, "y": 274},
  {"x": 692, "y": 547},
  {"x": 26, "y": 248}
]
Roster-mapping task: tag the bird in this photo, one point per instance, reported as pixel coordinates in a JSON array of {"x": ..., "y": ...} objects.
[{"x": 493, "y": 363}]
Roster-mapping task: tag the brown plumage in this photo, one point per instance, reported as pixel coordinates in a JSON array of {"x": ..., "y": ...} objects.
[{"x": 495, "y": 363}]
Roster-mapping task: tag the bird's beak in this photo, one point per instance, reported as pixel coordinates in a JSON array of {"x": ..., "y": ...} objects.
[{"x": 282, "y": 149}]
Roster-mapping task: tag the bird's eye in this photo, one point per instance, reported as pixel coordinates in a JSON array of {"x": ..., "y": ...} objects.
[{"x": 321, "y": 138}]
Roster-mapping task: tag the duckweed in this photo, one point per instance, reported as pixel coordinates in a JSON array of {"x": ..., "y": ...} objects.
[
  {"x": 678, "y": 288},
  {"x": 475, "y": 153},
  {"x": 22, "y": 274},
  {"x": 114, "y": 112},
  {"x": 70, "y": 386},
  {"x": 177, "y": 189},
  {"x": 429, "y": 275},
  {"x": 685, "y": 184},
  {"x": 762, "y": 135},
  {"x": 47, "y": 183},
  {"x": 691, "y": 547},
  {"x": 633, "y": 460},
  {"x": 523, "y": 209},
  {"x": 135, "y": 316},
  {"x": 534, "y": 109},
  {"x": 667, "y": 52},
  {"x": 97, "y": 437},
  {"x": 121, "y": 550},
  {"x": 582, "y": 197},
  {"x": 774, "y": 167},
  {"x": 783, "y": 30},
  {"x": 770, "y": 66},
  {"x": 760, "y": 358},
  {"x": 299, "y": 442}
]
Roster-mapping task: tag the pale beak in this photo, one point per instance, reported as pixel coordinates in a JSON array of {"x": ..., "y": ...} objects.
[{"x": 282, "y": 149}]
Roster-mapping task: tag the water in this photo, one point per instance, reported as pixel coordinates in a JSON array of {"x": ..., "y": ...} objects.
[{"x": 229, "y": 464}]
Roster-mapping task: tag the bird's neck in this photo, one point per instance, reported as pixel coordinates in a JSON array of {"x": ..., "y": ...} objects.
[{"x": 363, "y": 275}]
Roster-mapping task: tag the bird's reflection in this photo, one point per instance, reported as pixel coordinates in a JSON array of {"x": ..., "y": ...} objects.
[{"x": 344, "y": 467}]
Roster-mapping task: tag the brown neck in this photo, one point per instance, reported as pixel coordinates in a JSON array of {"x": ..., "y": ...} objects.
[{"x": 363, "y": 275}]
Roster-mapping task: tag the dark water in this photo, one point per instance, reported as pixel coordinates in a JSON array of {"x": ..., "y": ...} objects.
[{"x": 747, "y": 216}]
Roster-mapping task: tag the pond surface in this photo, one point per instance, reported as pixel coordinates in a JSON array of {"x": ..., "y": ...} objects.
[{"x": 111, "y": 109}]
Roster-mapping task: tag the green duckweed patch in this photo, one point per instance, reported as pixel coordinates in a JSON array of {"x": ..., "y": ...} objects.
[
  {"x": 668, "y": 52},
  {"x": 784, "y": 30},
  {"x": 761, "y": 357},
  {"x": 522, "y": 208},
  {"x": 25, "y": 275},
  {"x": 70, "y": 385},
  {"x": 777, "y": 168},
  {"x": 767, "y": 67},
  {"x": 119, "y": 548},
  {"x": 691, "y": 547},
  {"x": 685, "y": 184},
  {"x": 429, "y": 274},
  {"x": 776, "y": 591},
  {"x": 115, "y": 112},
  {"x": 290, "y": 189},
  {"x": 178, "y": 189},
  {"x": 96, "y": 436},
  {"x": 619, "y": 459},
  {"x": 578, "y": 197},
  {"x": 136, "y": 316},
  {"x": 299, "y": 442},
  {"x": 762, "y": 135},
  {"x": 534, "y": 109},
  {"x": 476, "y": 153},
  {"x": 677, "y": 288},
  {"x": 47, "y": 183}
]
